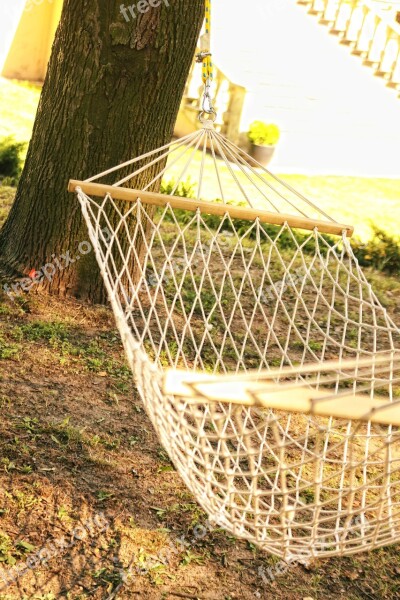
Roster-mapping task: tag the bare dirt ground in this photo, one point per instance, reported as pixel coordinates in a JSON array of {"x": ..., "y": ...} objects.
[{"x": 91, "y": 507}]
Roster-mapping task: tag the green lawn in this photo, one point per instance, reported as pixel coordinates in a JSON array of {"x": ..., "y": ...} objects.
[
  {"x": 354, "y": 200},
  {"x": 18, "y": 104},
  {"x": 359, "y": 201}
]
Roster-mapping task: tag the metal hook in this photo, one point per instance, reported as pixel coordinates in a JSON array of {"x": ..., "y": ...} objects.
[{"x": 207, "y": 105}]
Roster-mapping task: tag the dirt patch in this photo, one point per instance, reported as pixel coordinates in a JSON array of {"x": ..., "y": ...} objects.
[{"x": 91, "y": 507}]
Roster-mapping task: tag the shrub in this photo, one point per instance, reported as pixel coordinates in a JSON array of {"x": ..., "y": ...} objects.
[
  {"x": 381, "y": 252},
  {"x": 286, "y": 241},
  {"x": 10, "y": 161},
  {"x": 185, "y": 189},
  {"x": 264, "y": 134}
]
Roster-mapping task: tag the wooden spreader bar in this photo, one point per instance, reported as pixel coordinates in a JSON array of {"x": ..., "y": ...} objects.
[
  {"x": 286, "y": 397},
  {"x": 210, "y": 208}
]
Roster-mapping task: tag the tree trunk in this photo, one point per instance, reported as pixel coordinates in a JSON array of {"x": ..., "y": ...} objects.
[{"x": 112, "y": 92}]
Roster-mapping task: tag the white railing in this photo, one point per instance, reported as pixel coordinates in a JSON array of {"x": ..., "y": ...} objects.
[
  {"x": 229, "y": 102},
  {"x": 369, "y": 27}
]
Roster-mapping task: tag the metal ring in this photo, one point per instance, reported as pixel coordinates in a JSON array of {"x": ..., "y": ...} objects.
[{"x": 211, "y": 116}]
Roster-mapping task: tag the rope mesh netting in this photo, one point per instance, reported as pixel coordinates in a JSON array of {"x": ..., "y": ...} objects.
[{"x": 228, "y": 296}]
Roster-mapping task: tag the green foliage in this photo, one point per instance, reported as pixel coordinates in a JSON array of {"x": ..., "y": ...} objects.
[
  {"x": 24, "y": 547},
  {"x": 264, "y": 134},
  {"x": 45, "y": 330},
  {"x": 66, "y": 434},
  {"x": 241, "y": 226},
  {"x": 8, "y": 351},
  {"x": 10, "y": 553},
  {"x": 288, "y": 240},
  {"x": 6, "y": 548},
  {"x": 190, "y": 558},
  {"x": 381, "y": 252},
  {"x": 10, "y": 161},
  {"x": 102, "y": 495},
  {"x": 185, "y": 189}
]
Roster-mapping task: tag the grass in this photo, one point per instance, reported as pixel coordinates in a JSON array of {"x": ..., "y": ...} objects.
[
  {"x": 18, "y": 104},
  {"x": 363, "y": 202}
]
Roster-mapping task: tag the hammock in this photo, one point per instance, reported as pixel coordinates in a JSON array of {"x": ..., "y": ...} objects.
[
  {"x": 226, "y": 290},
  {"x": 265, "y": 361}
]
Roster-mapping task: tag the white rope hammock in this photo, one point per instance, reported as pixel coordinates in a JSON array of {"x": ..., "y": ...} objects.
[{"x": 280, "y": 410}]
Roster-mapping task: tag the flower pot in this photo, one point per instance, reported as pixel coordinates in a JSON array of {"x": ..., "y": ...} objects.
[{"x": 262, "y": 154}]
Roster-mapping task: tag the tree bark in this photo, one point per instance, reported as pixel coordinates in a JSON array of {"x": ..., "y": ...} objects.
[{"x": 112, "y": 92}]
